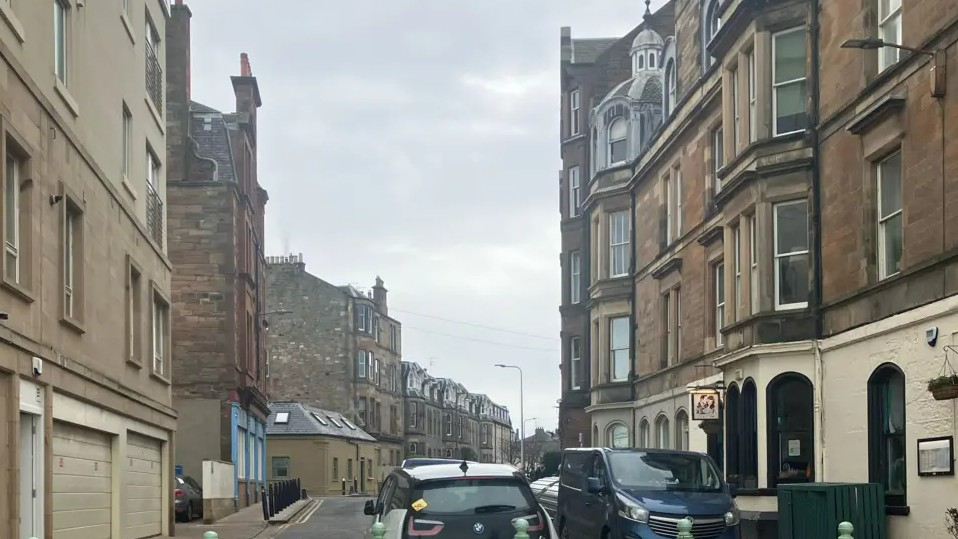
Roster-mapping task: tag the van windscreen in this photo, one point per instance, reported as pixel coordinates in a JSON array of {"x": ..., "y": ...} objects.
[{"x": 663, "y": 471}]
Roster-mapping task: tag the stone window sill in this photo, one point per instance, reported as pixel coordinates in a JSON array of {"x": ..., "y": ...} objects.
[
  {"x": 73, "y": 324},
  {"x": 133, "y": 362},
  {"x": 19, "y": 290},
  {"x": 67, "y": 98},
  {"x": 159, "y": 377},
  {"x": 6, "y": 13}
]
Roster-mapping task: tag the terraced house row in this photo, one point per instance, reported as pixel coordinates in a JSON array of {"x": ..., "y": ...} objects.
[
  {"x": 759, "y": 215},
  {"x": 445, "y": 420}
]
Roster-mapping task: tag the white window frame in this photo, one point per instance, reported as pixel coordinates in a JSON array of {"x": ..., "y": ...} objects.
[
  {"x": 753, "y": 264},
  {"x": 575, "y": 362},
  {"x": 719, "y": 278},
  {"x": 619, "y": 246},
  {"x": 736, "y": 113},
  {"x": 752, "y": 99},
  {"x": 677, "y": 172},
  {"x": 624, "y": 139},
  {"x": 575, "y": 277},
  {"x": 737, "y": 268},
  {"x": 153, "y": 169},
  {"x": 777, "y": 86},
  {"x": 127, "y": 142},
  {"x": 362, "y": 359},
  {"x": 889, "y": 56},
  {"x": 662, "y": 432},
  {"x": 159, "y": 333},
  {"x": 882, "y": 220},
  {"x": 671, "y": 81},
  {"x": 574, "y": 106},
  {"x": 612, "y": 350},
  {"x": 61, "y": 43},
  {"x": 718, "y": 156},
  {"x": 69, "y": 263},
  {"x": 677, "y": 294},
  {"x": 779, "y": 257},
  {"x": 575, "y": 192},
  {"x": 11, "y": 205}
]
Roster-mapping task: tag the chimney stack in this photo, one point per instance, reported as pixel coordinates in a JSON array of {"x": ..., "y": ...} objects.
[
  {"x": 178, "y": 91},
  {"x": 246, "y": 90},
  {"x": 379, "y": 296}
]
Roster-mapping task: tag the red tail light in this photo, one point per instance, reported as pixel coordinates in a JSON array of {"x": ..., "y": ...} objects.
[
  {"x": 179, "y": 492},
  {"x": 423, "y": 528}
]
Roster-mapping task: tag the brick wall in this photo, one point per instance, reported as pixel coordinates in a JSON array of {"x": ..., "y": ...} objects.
[{"x": 312, "y": 350}]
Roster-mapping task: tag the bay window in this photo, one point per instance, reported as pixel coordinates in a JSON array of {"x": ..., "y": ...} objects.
[
  {"x": 791, "y": 254},
  {"x": 618, "y": 131},
  {"x": 619, "y": 244},
  {"x": 619, "y": 349},
  {"x": 788, "y": 82},
  {"x": 719, "y": 287}
]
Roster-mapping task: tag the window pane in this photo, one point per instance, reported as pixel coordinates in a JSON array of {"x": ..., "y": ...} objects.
[
  {"x": 790, "y": 108},
  {"x": 891, "y": 245},
  {"x": 791, "y": 227},
  {"x": 617, "y": 151},
  {"x": 720, "y": 283},
  {"x": 789, "y": 56},
  {"x": 620, "y": 436},
  {"x": 620, "y": 333},
  {"x": 889, "y": 172},
  {"x": 617, "y": 130},
  {"x": 11, "y": 190},
  {"x": 793, "y": 279}
]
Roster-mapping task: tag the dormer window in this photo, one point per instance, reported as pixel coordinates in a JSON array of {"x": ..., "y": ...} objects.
[
  {"x": 651, "y": 60},
  {"x": 617, "y": 141}
]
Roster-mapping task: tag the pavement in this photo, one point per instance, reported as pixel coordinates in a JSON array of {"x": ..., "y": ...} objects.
[{"x": 247, "y": 523}]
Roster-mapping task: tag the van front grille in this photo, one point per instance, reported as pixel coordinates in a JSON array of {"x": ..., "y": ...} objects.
[{"x": 702, "y": 528}]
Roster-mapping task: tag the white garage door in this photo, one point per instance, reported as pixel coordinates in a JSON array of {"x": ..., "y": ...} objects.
[
  {"x": 143, "y": 482},
  {"x": 82, "y": 482}
]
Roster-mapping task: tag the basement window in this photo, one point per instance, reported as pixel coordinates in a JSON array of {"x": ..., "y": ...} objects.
[{"x": 282, "y": 418}]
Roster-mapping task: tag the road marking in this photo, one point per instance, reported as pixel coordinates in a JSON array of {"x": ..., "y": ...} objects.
[{"x": 308, "y": 513}]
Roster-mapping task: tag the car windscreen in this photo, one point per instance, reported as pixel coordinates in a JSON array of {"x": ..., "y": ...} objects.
[
  {"x": 664, "y": 471},
  {"x": 473, "y": 496}
]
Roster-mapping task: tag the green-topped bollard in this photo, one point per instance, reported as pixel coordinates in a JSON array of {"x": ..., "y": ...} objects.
[
  {"x": 211, "y": 535},
  {"x": 379, "y": 530},
  {"x": 521, "y": 525},
  {"x": 845, "y": 530},
  {"x": 685, "y": 529}
]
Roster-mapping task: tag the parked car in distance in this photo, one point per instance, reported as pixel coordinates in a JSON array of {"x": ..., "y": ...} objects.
[
  {"x": 457, "y": 500},
  {"x": 642, "y": 494},
  {"x": 546, "y": 491},
  {"x": 188, "y": 498}
]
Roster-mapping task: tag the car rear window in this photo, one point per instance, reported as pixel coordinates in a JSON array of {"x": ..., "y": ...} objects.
[{"x": 473, "y": 496}]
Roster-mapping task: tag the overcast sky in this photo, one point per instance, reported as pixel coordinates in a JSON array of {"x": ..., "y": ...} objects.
[{"x": 418, "y": 140}]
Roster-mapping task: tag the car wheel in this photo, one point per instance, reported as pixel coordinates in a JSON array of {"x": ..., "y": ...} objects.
[{"x": 563, "y": 531}]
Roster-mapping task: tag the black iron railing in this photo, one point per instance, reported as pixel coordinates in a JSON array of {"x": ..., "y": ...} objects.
[
  {"x": 154, "y": 79},
  {"x": 280, "y": 495},
  {"x": 154, "y": 213}
]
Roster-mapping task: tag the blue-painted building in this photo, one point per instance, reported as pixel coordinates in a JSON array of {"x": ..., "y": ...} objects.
[{"x": 248, "y": 453}]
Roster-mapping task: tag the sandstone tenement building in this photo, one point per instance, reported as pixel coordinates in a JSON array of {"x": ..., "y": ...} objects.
[
  {"x": 760, "y": 207},
  {"x": 85, "y": 283},
  {"x": 216, "y": 228}
]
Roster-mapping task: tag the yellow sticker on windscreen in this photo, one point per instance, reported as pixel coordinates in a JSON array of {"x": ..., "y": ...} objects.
[{"x": 419, "y": 504}]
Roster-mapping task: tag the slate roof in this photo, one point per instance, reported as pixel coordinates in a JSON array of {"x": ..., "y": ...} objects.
[
  {"x": 210, "y": 131},
  {"x": 585, "y": 51},
  {"x": 302, "y": 421}
]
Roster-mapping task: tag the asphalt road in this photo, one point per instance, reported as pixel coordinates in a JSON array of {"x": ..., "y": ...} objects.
[{"x": 340, "y": 518}]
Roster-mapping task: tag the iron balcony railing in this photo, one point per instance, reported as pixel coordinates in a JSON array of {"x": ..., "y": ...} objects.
[
  {"x": 154, "y": 79},
  {"x": 154, "y": 214}
]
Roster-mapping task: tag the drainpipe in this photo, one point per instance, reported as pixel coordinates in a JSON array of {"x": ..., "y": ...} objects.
[
  {"x": 817, "y": 241},
  {"x": 633, "y": 318},
  {"x": 356, "y": 445}
]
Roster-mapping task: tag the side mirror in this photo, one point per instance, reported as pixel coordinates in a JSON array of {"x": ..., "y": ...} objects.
[
  {"x": 593, "y": 485},
  {"x": 370, "y": 507}
]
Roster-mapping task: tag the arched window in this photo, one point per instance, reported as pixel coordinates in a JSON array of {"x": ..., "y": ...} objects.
[
  {"x": 682, "y": 430},
  {"x": 732, "y": 400},
  {"x": 711, "y": 26},
  {"x": 662, "y": 432},
  {"x": 618, "y": 436},
  {"x": 617, "y": 135},
  {"x": 644, "y": 433},
  {"x": 641, "y": 60},
  {"x": 413, "y": 448},
  {"x": 651, "y": 60},
  {"x": 791, "y": 440},
  {"x": 670, "y": 84},
  {"x": 886, "y": 432}
]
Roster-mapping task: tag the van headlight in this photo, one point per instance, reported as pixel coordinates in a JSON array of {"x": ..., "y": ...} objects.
[
  {"x": 733, "y": 516},
  {"x": 631, "y": 510}
]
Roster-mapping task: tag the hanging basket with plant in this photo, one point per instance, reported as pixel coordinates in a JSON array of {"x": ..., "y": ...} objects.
[{"x": 945, "y": 386}]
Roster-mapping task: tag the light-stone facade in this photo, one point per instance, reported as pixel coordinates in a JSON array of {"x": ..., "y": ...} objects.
[{"x": 85, "y": 292}]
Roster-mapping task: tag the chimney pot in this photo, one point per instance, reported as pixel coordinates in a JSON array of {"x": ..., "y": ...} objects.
[{"x": 245, "y": 70}]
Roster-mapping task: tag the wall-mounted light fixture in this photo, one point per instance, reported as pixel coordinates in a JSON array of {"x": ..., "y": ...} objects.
[{"x": 937, "y": 76}]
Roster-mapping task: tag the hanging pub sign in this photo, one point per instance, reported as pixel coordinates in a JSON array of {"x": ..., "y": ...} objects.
[{"x": 705, "y": 405}]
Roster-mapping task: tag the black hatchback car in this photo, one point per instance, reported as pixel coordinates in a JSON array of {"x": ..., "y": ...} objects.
[{"x": 453, "y": 501}]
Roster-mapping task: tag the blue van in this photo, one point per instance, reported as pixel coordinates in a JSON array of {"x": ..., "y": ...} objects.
[{"x": 642, "y": 494}]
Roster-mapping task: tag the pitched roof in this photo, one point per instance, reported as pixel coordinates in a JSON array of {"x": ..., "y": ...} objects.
[
  {"x": 303, "y": 420},
  {"x": 210, "y": 132},
  {"x": 585, "y": 51}
]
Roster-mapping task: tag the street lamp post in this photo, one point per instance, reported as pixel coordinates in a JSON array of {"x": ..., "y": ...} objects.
[
  {"x": 937, "y": 79},
  {"x": 522, "y": 423}
]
